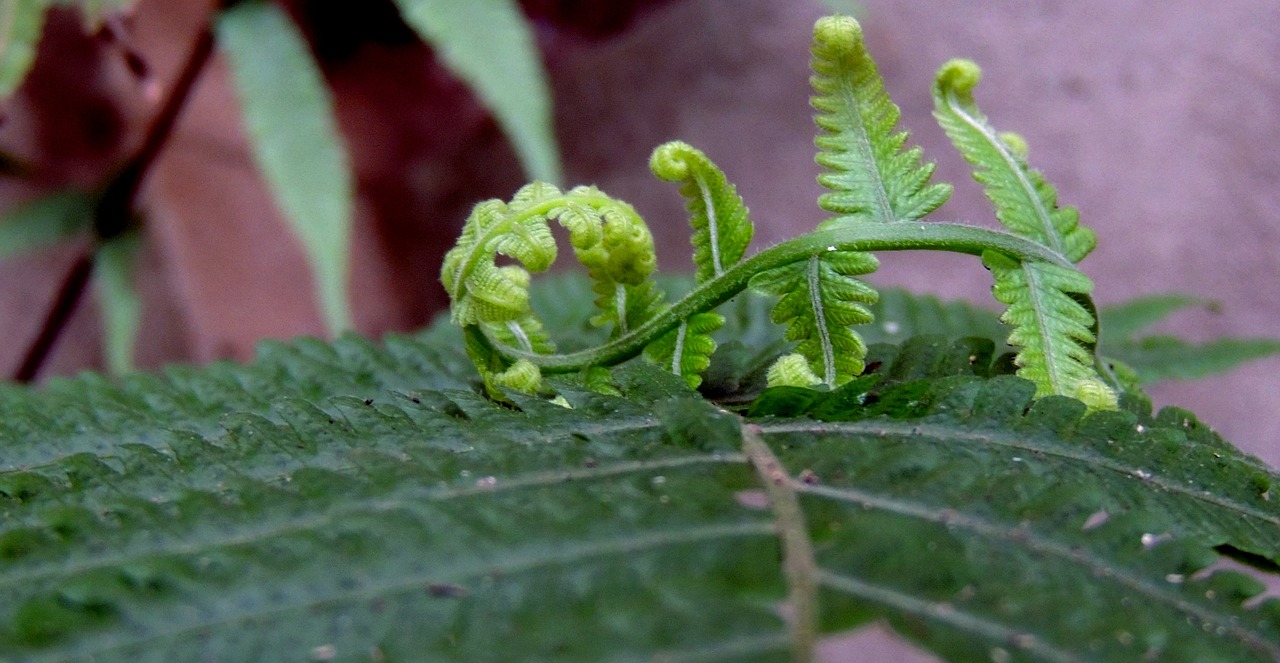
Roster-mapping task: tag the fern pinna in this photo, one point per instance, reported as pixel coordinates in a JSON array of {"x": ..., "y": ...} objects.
[{"x": 877, "y": 193}]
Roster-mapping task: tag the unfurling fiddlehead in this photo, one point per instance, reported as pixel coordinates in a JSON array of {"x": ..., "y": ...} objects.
[{"x": 877, "y": 193}]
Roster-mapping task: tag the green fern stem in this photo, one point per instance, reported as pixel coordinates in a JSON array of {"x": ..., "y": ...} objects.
[{"x": 956, "y": 238}]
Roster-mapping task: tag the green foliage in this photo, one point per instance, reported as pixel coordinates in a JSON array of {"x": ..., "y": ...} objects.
[
  {"x": 44, "y": 222},
  {"x": 21, "y": 22},
  {"x": 608, "y": 238},
  {"x": 121, "y": 306},
  {"x": 491, "y": 47},
  {"x": 1161, "y": 357},
  {"x": 820, "y": 301},
  {"x": 289, "y": 116},
  {"x": 290, "y": 119},
  {"x": 870, "y": 176},
  {"x": 878, "y": 191},
  {"x": 871, "y": 179},
  {"x": 721, "y": 232},
  {"x": 353, "y": 502},
  {"x": 1052, "y": 327}
]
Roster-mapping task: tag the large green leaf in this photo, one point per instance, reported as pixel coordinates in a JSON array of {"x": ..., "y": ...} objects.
[
  {"x": 361, "y": 502},
  {"x": 489, "y": 44},
  {"x": 295, "y": 140},
  {"x": 21, "y": 22}
]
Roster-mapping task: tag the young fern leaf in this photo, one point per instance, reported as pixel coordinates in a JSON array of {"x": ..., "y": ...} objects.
[
  {"x": 1053, "y": 324},
  {"x": 721, "y": 232},
  {"x": 611, "y": 240},
  {"x": 491, "y": 302},
  {"x": 871, "y": 178},
  {"x": 820, "y": 303},
  {"x": 490, "y": 299}
]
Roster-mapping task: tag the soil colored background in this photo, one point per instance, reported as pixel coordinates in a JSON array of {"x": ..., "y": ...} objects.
[{"x": 1157, "y": 120}]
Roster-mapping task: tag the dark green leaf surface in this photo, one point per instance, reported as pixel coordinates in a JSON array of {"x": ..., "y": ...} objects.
[
  {"x": 295, "y": 140},
  {"x": 362, "y": 502}
]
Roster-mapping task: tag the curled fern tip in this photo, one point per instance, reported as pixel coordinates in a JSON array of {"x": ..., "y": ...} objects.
[
  {"x": 670, "y": 162},
  {"x": 959, "y": 75},
  {"x": 836, "y": 30}
]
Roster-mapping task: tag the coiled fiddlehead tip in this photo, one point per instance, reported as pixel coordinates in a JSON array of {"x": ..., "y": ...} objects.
[
  {"x": 959, "y": 76},
  {"x": 670, "y": 161},
  {"x": 836, "y": 32}
]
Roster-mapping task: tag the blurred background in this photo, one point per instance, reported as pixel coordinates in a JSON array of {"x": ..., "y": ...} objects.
[{"x": 1158, "y": 122}]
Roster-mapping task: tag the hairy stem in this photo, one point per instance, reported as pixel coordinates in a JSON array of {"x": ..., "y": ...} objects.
[{"x": 952, "y": 237}]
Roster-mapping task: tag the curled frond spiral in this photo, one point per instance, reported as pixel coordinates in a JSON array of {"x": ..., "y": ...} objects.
[{"x": 877, "y": 191}]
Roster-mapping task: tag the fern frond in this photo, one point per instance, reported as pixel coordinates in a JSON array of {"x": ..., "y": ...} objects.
[
  {"x": 614, "y": 244},
  {"x": 1053, "y": 324},
  {"x": 721, "y": 232},
  {"x": 721, "y": 228},
  {"x": 687, "y": 349},
  {"x": 870, "y": 176},
  {"x": 1025, "y": 203},
  {"x": 1051, "y": 329},
  {"x": 482, "y": 292},
  {"x": 820, "y": 302}
]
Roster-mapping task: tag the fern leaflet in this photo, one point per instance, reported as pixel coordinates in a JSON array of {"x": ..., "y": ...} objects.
[
  {"x": 870, "y": 178},
  {"x": 820, "y": 302},
  {"x": 1052, "y": 327},
  {"x": 614, "y": 244}
]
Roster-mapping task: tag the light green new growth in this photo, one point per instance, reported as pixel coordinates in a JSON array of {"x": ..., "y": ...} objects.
[
  {"x": 721, "y": 232},
  {"x": 878, "y": 191},
  {"x": 870, "y": 178},
  {"x": 1051, "y": 327}
]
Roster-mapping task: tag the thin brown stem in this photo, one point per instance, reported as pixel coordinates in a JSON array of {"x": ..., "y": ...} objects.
[
  {"x": 114, "y": 212},
  {"x": 55, "y": 321},
  {"x": 115, "y": 209}
]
